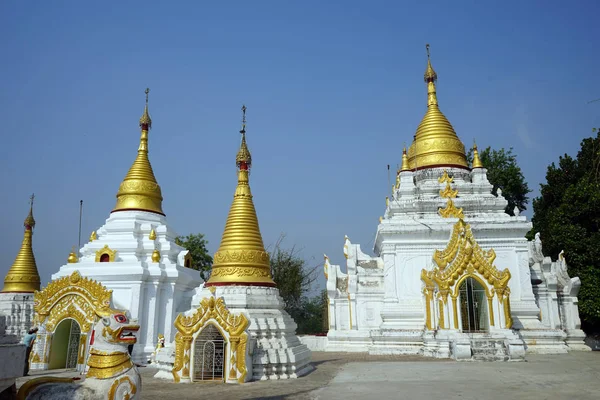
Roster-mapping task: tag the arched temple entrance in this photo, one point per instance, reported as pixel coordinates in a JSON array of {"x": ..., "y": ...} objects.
[
  {"x": 464, "y": 290},
  {"x": 65, "y": 313},
  {"x": 211, "y": 344},
  {"x": 209, "y": 354},
  {"x": 473, "y": 306},
  {"x": 64, "y": 347}
]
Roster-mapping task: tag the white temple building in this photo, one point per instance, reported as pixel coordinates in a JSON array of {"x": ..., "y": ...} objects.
[
  {"x": 134, "y": 254},
  {"x": 453, "y": 274},
  {"x": 21, "y": 281},
  {"x": 237, "y": 329}
]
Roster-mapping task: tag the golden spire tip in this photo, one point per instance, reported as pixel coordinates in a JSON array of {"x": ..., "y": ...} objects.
[
  {"x": 476, "y": 160},
  {"x": 29, "y": 220},
  {"x": 145, "y": 120}
]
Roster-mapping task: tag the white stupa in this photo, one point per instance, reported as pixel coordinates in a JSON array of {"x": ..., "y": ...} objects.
[
  {"x": 134, "y": 254},
  {"x": 453, "y": 273}
]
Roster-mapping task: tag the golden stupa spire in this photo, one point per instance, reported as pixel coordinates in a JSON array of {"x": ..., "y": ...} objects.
[
  {"x": 405, "y": 164},
  {"x": 23, "y": 276},
  {"x": 436, "y": 143},
  {"x": 476, "y": 160},
  {"x": 140, "y": 190},
  {"x": 241, "y": 258}
]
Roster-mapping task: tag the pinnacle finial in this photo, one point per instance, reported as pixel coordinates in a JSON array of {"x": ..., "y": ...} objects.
[
  {"x": 145, "y": 120},
  {"x": 29, "y": 220},
  {"x": 430, "y": 75},
  {"x": 476, "y": 160},
  {"x": 243, "y": 119}
]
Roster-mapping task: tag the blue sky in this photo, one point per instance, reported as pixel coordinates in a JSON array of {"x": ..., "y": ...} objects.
[{"x": 334, "y": 89}]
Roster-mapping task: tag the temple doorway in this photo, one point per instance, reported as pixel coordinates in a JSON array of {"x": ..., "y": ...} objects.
[
  {"x": 209, "y": 355},
  {"x": 64, "y": 347},
  {"x": 473, "y": 306}
]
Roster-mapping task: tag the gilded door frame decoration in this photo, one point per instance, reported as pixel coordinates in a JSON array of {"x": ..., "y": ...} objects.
[
  {"x": 70, "y": 297},
  {"x": 461, "y": 259},
  {"x": 233, "y": 327},
  {"x": 112, "y": 254}
]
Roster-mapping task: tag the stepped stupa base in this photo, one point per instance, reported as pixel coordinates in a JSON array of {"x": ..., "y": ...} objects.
[{"x": 273, "y": 349}]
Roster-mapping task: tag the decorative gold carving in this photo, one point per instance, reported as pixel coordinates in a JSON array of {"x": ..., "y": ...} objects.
[
  {"x": 445, "y": 178},
  {"x": 461, "y": 259},
  {"x": 104, "y": 365},
  {"x": 451, "y": 211},
  {"x": 123, "y": 380},
  {"x": 155, "y": 256},
  {"x": 187, "y": 327},
  {"x": 241, "y": 272},
  {"x": 448, "y": 192},
  {"x": 93, "y": 236},
  {"x": 72, "y": 296},
  {"x": 106, "y": 250},
  {"x": 152, "y": 235},
  {"x": 34, "y": 358},
  {"x": 242, "y": 257}
]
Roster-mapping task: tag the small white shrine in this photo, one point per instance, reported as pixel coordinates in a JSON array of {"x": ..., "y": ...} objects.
[
  {"x": 134, "y": 254},
  {"x": 237, "y": 329},
  {"x": 453, "y": 274},
  {"x": 21, "y": 281}
]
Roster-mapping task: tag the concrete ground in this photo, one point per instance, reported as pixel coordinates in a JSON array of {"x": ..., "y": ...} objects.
[{"x": 360, "y": 376}]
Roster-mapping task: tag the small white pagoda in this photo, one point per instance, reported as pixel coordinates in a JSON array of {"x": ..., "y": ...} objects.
[
  {"x": 237, "y": 329},
  {"x": 134, "y": 254},
  {"x": 21, "y": 281},
  {"x": 453, "y": 274}
]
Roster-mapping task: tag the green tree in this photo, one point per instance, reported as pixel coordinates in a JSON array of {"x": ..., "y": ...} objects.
[
  {"x": 201, "y": 259},
  {"x": 503, "y": 172},
  {"x": 293, "y": 278},
  {"x": 567, "y": 215}
]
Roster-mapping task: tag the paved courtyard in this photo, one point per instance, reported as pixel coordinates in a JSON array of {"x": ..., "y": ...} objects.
[{"x": 360, "y": 376}]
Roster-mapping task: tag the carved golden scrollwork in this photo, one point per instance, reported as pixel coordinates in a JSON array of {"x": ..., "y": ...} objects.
[
  {"x": 73, "y": 296},
  {"x": 451, "y": 210},
  {"x": 106, "y": 250},
  {"x": 462, "y": 259},
  {"x": 214, "y": 310}
]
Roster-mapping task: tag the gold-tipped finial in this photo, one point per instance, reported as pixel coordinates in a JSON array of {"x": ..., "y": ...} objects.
[
  {"x": 145, "y": 119},
  {"x": 23, "y": 276},
  {"x": 140, "y": 190},
  {"x": 405, "y": 164},
  {"x": 241, "y": 258},
  {"x": 476, "y": 160},
  {"x": 72, "y": 256},
  {"x": 436, "y": 143},
  {"x": 155, "y": 256},
  {"x": 152, "y": 235},
  {"x": 93, "y": 236},
  {"x": 243, "y": 157}
]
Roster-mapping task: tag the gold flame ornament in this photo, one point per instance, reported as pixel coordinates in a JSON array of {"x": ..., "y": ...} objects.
[
  {"x": 436, "y": 143},
  {"x": 23, "y": 275},
  {"x": 140, "y": 190},
  {"x": 242, "y": 258}
]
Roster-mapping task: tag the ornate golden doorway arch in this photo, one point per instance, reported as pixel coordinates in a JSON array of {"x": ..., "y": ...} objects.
[{"x": 81, "y": 300}]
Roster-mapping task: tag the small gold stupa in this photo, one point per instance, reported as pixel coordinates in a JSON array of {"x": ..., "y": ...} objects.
[
  {"x": 436, "y": 143},
  {"x": 23, "y": 276},
  {"x": 140, "y": 190},
  {"x": 241, "y": 258}
]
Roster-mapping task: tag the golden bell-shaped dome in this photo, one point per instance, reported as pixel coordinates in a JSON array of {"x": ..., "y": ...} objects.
[
  {"x": 476, "y": 160},
  {"x": 436, "y": 143},
  {"x": 23, "y": 276},
  {"x": 405, "y": 163},
  {"x": 140, "y": 190},
  {"x": 241, "y": 258},
  {"x": 72, "y": 256}
]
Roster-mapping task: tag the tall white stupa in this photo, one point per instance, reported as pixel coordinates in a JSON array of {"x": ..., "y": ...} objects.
[
  {"x": 453, "y": 275},
  {"x": 21, "y": 281},
  {"x": 134, "y": 254}
]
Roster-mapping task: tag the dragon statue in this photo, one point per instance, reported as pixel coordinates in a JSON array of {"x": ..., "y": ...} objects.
[{"x": 111, "y": 374}]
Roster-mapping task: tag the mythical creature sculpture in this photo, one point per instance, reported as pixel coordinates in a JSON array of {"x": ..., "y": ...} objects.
[
  {"x": 159, "y": 345},
  {"x": 111, "y": 373}
]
